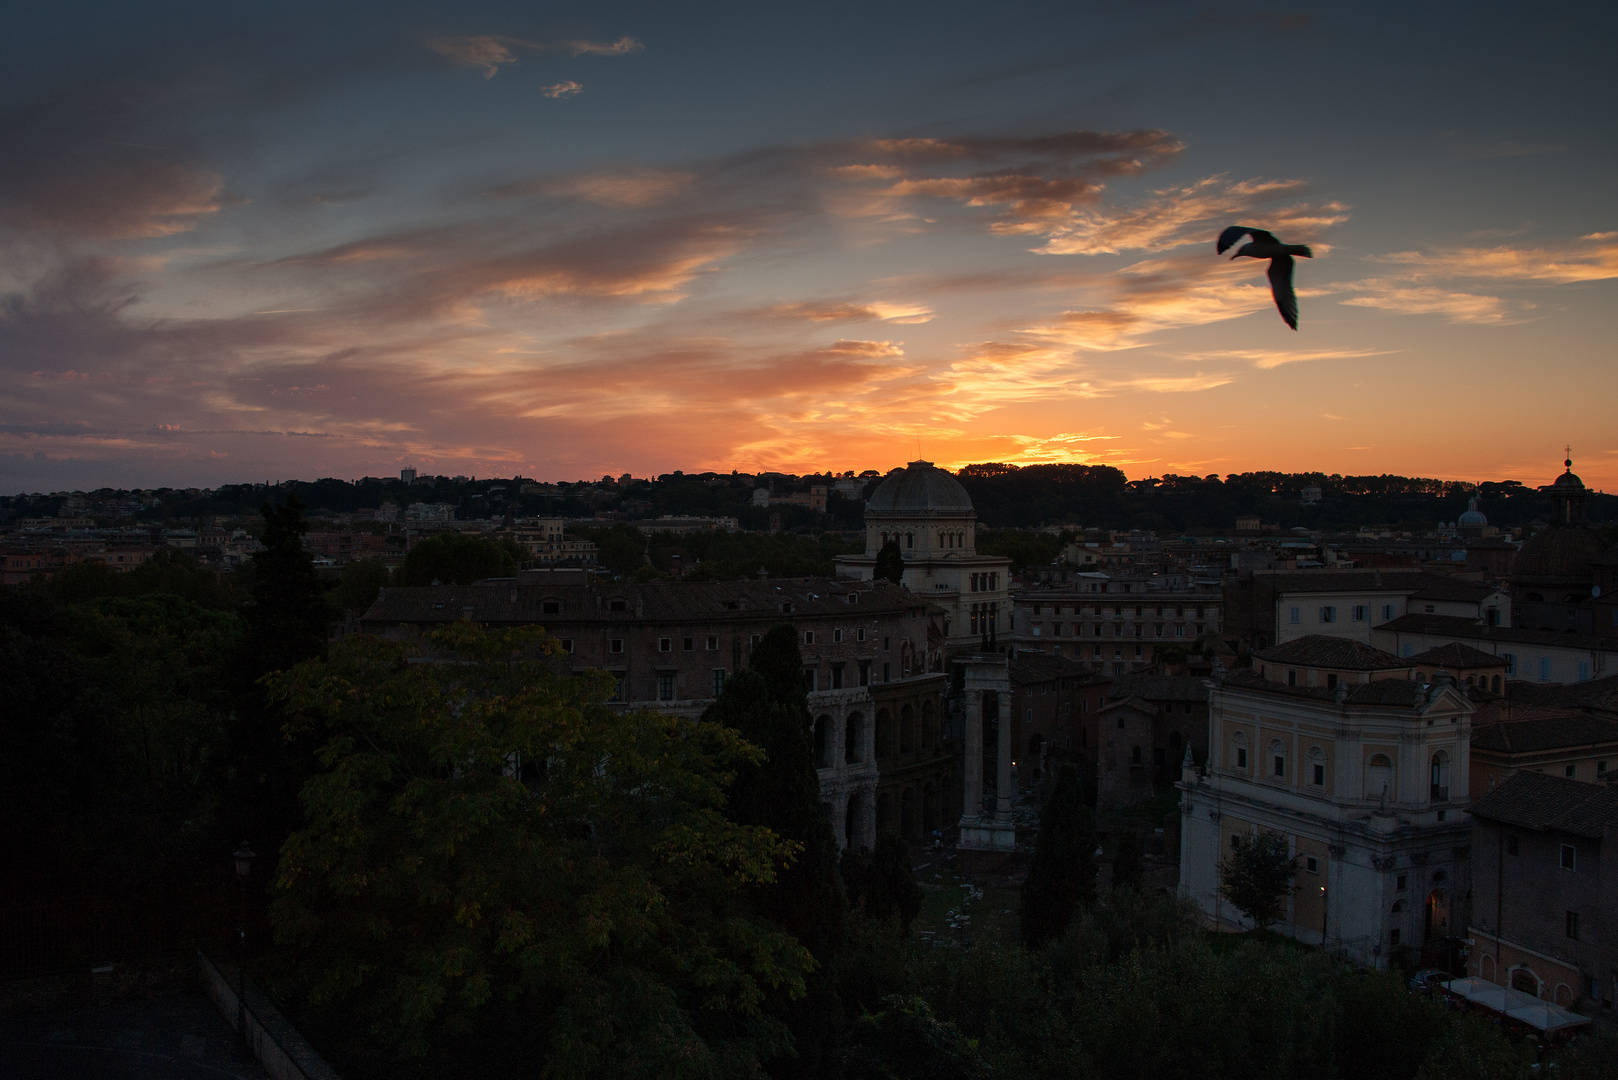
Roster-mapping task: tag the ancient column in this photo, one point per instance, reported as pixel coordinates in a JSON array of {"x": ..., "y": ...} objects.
[
  {"x": 973, "y": 762},
  {"x": 1002, "y": 774}
]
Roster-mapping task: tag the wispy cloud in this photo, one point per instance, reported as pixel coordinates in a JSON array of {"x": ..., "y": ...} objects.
[
  {"x": 1591, "y": 258},
  {"x": 1269, "y": 359},
  {"x": 565, "y": 89},
  {"x": 489, "y": 52}
]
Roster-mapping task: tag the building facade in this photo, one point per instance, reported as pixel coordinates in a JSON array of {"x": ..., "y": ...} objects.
[
  {"x": 670, "y": 646},
  {"x": 929, "y": 514},
  {"x": 1368, "y": 784}
]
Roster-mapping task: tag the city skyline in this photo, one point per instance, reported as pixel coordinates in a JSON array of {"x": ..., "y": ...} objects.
[{"x": 295, "y": 243}]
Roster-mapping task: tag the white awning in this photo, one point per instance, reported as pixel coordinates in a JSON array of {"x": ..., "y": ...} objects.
[{"x": 1524, "y": 1008}]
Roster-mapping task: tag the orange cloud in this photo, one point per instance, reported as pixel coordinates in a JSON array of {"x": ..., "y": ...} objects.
[{"x": 488, "y": 52}]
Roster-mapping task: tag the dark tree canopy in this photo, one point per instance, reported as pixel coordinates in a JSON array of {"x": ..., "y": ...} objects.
[
  {"x": 890, "y": 563},
  {"x": 289, "y": 616},
  {"x": 454, "y": 559},
  {"x": 768, "y": 705},
  {"x": 1127, "y": 866},
  {"x": 1062, "y": 876},
  {"x": 882, "y": 882}
]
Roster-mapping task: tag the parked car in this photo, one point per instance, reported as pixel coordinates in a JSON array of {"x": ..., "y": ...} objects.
[{"x": 1426, "y": 980}]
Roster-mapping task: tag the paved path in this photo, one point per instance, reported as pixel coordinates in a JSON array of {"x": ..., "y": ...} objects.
[{"x": 177, "y": 1037}]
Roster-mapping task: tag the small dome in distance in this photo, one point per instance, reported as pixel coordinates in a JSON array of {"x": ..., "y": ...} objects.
[{"x": 1473, "y": 515}]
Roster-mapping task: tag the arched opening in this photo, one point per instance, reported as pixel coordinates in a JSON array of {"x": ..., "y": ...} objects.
[
  {"x": 1486, "y": 967},
  {"x": 884, "y": 735},
  {"x": 854, "y": 739},
  {"x": 884, "y": 812},
  {"x": 1317, "y": 767},
  {"x": 907, "y": 813},
  {"x": 907, "y": 729},
  {"x": 851, "y": 821},
  {"x": 1438, "y": 777},
  {"x": 1524, "y": 979},
  {"x": 1494, "y": 685},
  {"x": 1278, "y": 760},
  {"x": 1238, "y": 751},
  {"x": 929, "y": 724},
  {"x": 1379, "y": 778},
  {"x": 1436, "y": 922},
  {"x": 929, "y": 807},
  {"x": 1562, "y": 995}
]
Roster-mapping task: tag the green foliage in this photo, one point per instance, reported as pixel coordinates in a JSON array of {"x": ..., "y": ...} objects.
[
  {"x": 904, "y": 1041},
  {"x": 1257, "y": 877},
  {"x": 890, "y": 563},
  {"x": 114, "y": 717},
  {"x": 170, "y": 571},
  {"x": 1062, "y": 875},
  {"x": 360, "y": 583},
  {"x": 456, "y": 559},
  {"x": 1474, "y": 1049},
  {"x": 882, "y": 883},
  {"x": 767, "y": 705},
  {"x": 488, "y": 848},
  {"x": 1127, "y": 866},
  {"x": 725, "y": 556},
  {"x": 1024, "y": 547},
  {"x": 620, "y": 548}
]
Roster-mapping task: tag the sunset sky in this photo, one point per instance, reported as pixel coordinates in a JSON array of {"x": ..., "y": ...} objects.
[{"x": 247, "y": 242}]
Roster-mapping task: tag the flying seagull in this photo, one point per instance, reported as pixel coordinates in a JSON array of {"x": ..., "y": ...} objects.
[{"x": 1266, "y": 246}]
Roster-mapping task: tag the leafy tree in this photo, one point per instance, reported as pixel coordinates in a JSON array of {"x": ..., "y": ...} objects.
[
  {"x": 1062, "y": 875},
  {"x": 362, "y": 580},
  {"x": 455, "y": 559},
  {"x": 1257, "y": 877},
  {"x": 621, "y": 548},
  {"x": 489, "y": 849},
  {"x": 882, "y": 882},
  {"x": 1127, "y": 867},
  {"x": 890, "y": 563},
  {"x": 904, "y": 1040}
]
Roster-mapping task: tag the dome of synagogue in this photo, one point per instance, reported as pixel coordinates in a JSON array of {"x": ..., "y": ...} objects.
[{"x": 917, "y": 488}]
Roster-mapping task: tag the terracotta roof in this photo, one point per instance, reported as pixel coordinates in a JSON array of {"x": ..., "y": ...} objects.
[
  {"x": 1028, "y": 668},
  {"x": 1160, "y": 687},
  {"x": 1456, "y": 655},
  {"x": 516, "y": 601},
  {"x": 1321, "y": 650},
  {"x": 1545, "y": 733},
  {"x": 1424, "y": 583},
  {"x": 1379, "y": 694},
  {"x": 1600, "y": 695},
  {"x": 1460, "y": 627},
  {"x": 1543, "y": 803}
]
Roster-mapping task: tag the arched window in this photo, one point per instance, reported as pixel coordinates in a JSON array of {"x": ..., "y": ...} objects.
[
  {"x": 1379, "y": 779},
  {"x": 1398, "y": 907},
  {"x": 854, "y": 739},
  {"x": 1524, "y": 979},
  {"x": 1317, "y": 767},
  {"x": 910, "y": 540},
  {"x": 1438, "y": 777},
  {"x": 1238, "y": 751},
  {"x": 884, "y": 734},
  {"x": 1278, "y": 759}
]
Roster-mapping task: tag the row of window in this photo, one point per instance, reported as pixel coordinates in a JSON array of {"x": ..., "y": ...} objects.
[
  {"x": 1099, "y": 630},
  {"x": 988, "y": 581},
  {"x": 1357, "y": 612},
  {"x": 1162, "y": 610},
  {"x": 984, "y": 617}
]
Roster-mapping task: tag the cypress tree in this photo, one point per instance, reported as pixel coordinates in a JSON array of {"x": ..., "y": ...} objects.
[
  {"x": 769, "y": 705},
  {"x": 1127, "y": 868},
  {"x": 882, "y": 882},
  {"x": 1063, "y": 872},
  {"x": 890, "y": 563}
]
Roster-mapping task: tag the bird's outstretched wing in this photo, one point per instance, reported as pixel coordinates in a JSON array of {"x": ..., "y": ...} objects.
[
  {"x": 1235, "y": 232},
  {"x": 1286, "y": 301}
]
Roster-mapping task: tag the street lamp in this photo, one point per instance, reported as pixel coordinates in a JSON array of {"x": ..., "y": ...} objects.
[{"x": 244, "y": 866}]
